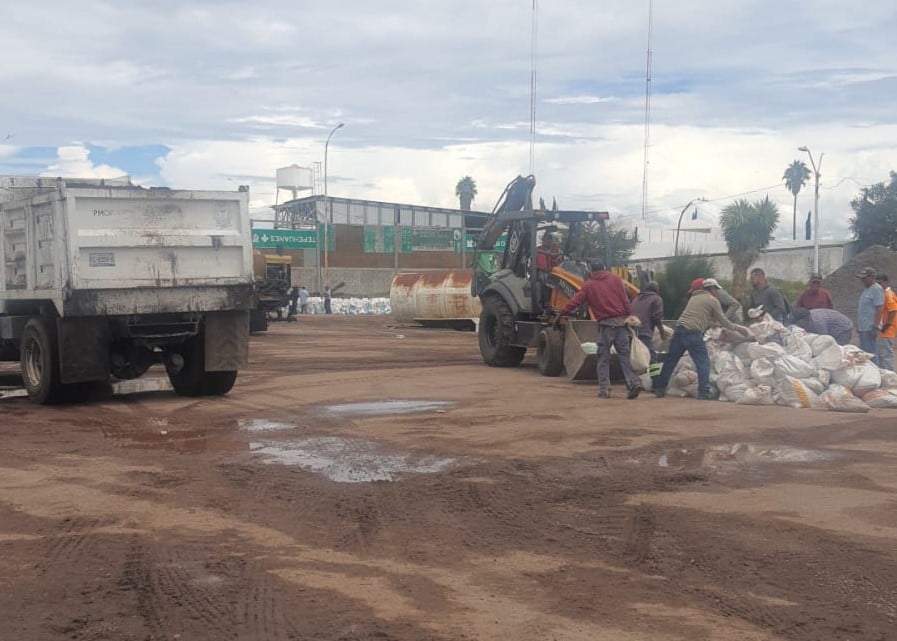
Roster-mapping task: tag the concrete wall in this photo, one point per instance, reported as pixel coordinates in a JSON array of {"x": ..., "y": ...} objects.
[
  {"x": 788, "y": 264},
  {"x": 362, "y": 282}
]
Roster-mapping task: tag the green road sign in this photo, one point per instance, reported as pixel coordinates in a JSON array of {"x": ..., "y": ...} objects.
[{"x": 289, "y": 238}]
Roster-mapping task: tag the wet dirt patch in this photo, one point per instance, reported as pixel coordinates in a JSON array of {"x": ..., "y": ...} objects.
[
  {"x": 12, "y": 392},
  {"x": 263, "y": 425},
  {"x": 346, "y": 460},
  {"x": 741, "y": 454},
  {"x": 385, "y": 408}
]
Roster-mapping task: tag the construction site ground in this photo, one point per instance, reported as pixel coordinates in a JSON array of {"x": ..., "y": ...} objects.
[{"x": 367, "y": 481}]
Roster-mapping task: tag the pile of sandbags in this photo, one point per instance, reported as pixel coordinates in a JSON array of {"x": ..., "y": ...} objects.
[
  {"x": 790, "y": 367},
  {"x": 350, "y": 306}
]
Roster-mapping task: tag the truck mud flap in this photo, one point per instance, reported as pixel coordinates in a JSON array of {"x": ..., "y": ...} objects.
[
  {"x": 226, "y": 341},
  {"x": 83, "y": 349}
]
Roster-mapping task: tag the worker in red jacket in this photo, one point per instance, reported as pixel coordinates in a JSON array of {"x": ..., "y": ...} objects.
[{"x": 608, "y": 301}]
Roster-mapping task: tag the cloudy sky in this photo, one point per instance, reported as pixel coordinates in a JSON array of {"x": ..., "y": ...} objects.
[{"x": 213, "y": 95}]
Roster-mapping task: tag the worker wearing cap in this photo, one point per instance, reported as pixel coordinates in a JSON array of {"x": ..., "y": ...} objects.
[
  {"x": 608, "y": 301},
  {"x": 701, "y": 312},
  {"x": 815, "y": 296},
  {"x": 885, "y": 342},
  {"x": 869, "y": 312},
  {"x": 548, "y": 255}
]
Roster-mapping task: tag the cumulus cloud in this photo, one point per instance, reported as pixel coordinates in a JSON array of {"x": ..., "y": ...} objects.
[{"x": 73, "y": 161}]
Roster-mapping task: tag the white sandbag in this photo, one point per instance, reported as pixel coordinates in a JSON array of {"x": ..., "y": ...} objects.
[
  {"x": 840, "y": 399},
  {"x": 824, "y": 376},
  {"x": 859, "y": 378},
  {"x": 821, "y": 342},
  {"x": 880, "y": 399},
  {"x": 589, "y": 348},
  {"x": 814, "y": 385},
  {"x": 741, "y": 351},
  {"x": 766, "y": 329},
  {"x": 791, "y": 392},
  {"x": 796, "y": 346},
  {"x": 888, "y": 378},
  {"x": 757, "y": 395},
  {"x": 853, "y": 355},
  {"x": 793, "y": 366},
  {"x": 684, "y": 377},
  {"x": 734, "y": 393},
  {"x": 762, "y": 371},
  {"x": 831, "y": 358},
  {"x": 766, "y": 350}
]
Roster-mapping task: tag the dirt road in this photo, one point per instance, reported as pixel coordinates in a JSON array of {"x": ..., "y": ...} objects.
[{"x": 369, "y": 482}]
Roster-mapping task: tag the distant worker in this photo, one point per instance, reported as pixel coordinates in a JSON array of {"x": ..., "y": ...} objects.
[
  {"x": 731, "y": 306},
  {"x": 870, "y": 309},
  {"x": 701, "y": 312},
  {"x": 548, "y": 255},
  {"x": 327, "y": 308},
  {"x": 303, "y": 299},
  {"x": 764, "y": 293},
  {"x": 814, "y": 296},
  {"x": 828, "y": 322},
  {"x": 608, "y": 301},
  {"x": 294, "y": 305},
  {"x": 648, "y": 308},
  {"x": 888, "y": 325}
]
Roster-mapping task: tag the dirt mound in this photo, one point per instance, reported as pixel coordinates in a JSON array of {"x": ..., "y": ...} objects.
[{"x": 845, "y": 288}]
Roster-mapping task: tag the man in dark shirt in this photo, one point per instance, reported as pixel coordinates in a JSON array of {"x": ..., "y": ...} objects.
[
  {"x": 814, "y": 296},
  {"x": 829, "y": 322},
  {"x": 648, "y": 308},
  {"x": 767, "y": 295},
  {"x": 608, "y": 301}
]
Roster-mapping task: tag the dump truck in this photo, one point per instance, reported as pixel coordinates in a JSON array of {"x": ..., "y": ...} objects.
[
  {"x": 103, "y": 279},
  {"x": 519, "y": 299}
]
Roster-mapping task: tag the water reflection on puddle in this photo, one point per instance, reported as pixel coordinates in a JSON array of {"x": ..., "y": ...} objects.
[
  {"x": 263, "y": 425},
  {"x": 345, "y": 460},
  {"x": 379, "y": 408},
  {"x": 741, "y": 453}
]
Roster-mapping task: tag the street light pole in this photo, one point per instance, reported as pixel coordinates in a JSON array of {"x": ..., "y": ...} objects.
[
  {"x": 329, "y": 220},
  {"x": 816, "y": 171},
  {"x": 679, "y": 224}
]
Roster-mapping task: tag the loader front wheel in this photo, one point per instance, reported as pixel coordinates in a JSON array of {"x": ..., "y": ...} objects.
[
  {"x": 496, "y": 335},
  {"x": 550, "y": 352}
]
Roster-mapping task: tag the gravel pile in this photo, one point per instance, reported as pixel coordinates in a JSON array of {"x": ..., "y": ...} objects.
[{"x": 845, "y": 288}]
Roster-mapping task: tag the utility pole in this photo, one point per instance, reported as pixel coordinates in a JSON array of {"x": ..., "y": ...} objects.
[
  {"x": 679, "y": 224},
  {"x": 816, "y": 171},
  {"x": 329, "y": 208}
]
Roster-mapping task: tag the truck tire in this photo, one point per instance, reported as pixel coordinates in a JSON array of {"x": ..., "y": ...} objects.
[
  {"x": 550, "y": 352},
  {"x": 192, "y": 379},
  {"x": 40, "y": 361},
  {"x": 496, "y": 333}
]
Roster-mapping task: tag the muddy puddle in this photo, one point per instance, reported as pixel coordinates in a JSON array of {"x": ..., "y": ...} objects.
[
  {"x": 384, "y": 408},
  {"x": 263, "y": 425},
  {"x": 12, "y": 392},
  {"x": 141, "y": 385},
  {"x": 347, "y": 460},
  {"x": 741, "y": 453}
]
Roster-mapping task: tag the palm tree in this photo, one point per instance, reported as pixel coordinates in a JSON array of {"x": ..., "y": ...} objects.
[
  {"x": 466, "y": 191},
  {"x": 747, "y": 228},
  {"x": 795, "y": 177}
]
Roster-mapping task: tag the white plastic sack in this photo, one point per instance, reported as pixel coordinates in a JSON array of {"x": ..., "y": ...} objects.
[
  {"x": 766, "y": 350},
  {"x": 757, "y": 395},
  {"x": 888, "y": 378},
  {"x": 840, "y": 399},
  {"x": 831, "y": 358},
  {"x": 859, "y": 378},
  {"x": 590, "y": 348},
  {"x": 814, "y": 385},
  {"x": 821, "y": 342},
  {"x": 742, "y": 351},
  {"x": 734, "y": 393},
  {"x": 766, "y": 329},
  {"x": 880, "y": 399},
  {"x": 639, "y": 354},
  {"x": 793, "y": 366},
  {"x": 824, "y": 376},
  {"x": 791, "y": 392},
  {"x": 762, "y": 371},
  {"x": 796, "y": 346}
]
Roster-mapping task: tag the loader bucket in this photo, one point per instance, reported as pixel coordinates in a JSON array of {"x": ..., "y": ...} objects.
[{"x": 579, "y": 365}]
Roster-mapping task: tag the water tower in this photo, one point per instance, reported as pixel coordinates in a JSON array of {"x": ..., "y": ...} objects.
[{"x": 295, "y": 179}]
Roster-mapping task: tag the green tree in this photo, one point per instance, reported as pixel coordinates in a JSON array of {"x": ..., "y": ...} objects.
[
  {"x": 795, "y": 177},
  {"x": 676, "y": 278},
  {"x": 590, "y": 243},
  {"x": 747, "y": 228},
  {"x": 466, "y": 191},
  {"x": 875, "y": 215}
]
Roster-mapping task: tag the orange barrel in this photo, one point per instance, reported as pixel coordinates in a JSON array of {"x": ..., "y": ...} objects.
[{"x": 435, "y": 295}]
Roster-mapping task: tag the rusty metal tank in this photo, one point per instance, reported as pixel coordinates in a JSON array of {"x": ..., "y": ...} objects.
[{"x": 433, "y": 297}]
